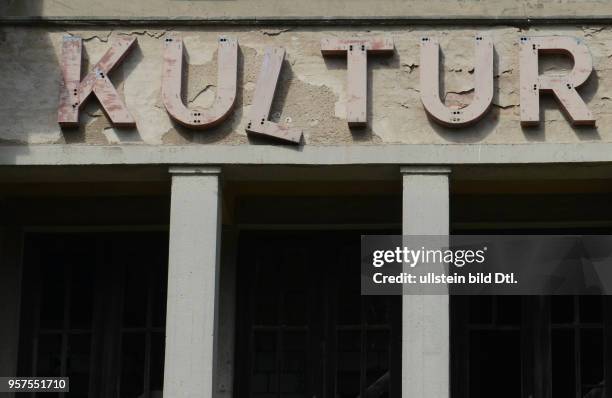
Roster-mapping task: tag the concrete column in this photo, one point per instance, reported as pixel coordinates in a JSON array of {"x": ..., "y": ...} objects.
[
  {"x": 193, "y": 276},
  {"x": 425, "y": 319}
]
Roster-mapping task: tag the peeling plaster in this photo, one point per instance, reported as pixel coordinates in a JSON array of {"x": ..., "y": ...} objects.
[
  {"x": 275, "y": 32},
  {"x": 311, "y": 93}
]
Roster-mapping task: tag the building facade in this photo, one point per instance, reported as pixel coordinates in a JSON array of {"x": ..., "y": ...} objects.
[{"x": 184, "y": 184}]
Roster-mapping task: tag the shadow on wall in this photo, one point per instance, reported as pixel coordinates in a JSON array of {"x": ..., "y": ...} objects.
[
  {"x": 29, "y": 68},
  {"x": 30, "y": 58},
  {"x": 21, "y": 7},
  {"x": 12, "y": 69}
]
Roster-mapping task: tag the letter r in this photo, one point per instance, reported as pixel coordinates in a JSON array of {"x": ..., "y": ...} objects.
[{"x": 562, "y": 86}]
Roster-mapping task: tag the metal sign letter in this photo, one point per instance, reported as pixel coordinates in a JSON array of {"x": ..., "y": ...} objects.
[
  {"x": 258, "y": 122},
  {"x": 430, "y": 84},
  {"x": 357, "y": 51},
  {"x": 74, "y": 92},
  {"x": 227, "y": 77},
  {"x": 562, "y": 86}
]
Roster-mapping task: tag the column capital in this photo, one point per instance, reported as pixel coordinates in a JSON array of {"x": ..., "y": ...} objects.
[
  {"x": 425, "y": 170},
  {"x": 194, "y": 170}
]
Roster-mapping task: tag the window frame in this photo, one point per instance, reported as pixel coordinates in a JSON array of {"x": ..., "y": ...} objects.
[
  {"x": 106, "y": 328},
  {"x": 325, "y": 329},
  {"x": 536, "y": 345}
]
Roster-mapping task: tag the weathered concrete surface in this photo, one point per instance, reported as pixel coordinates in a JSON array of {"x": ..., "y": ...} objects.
[
  {"x": 312, "y": 89},
  {"x": 312, "y": 8},
  {"x": 193, "y": 283},
  {"x": 314, "y": 155},
  {"x": 425, "y": 318}
]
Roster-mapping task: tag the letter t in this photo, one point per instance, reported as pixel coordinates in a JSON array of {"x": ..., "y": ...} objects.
[{"x": 357, "y": 68}]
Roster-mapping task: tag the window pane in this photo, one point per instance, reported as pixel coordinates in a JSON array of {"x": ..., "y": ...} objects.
[
  {"x": 52, "y": 295},
  {"x": 348, "y": 364},
  {"x": 49, "y": 355},
  {"x": 265, "y": 299},
  {"x": 264, "y": 366},
  {"x": 132, "y": 364},
  {"x": 563, "y": 364},
  {"x": 295, "y": 272},
  {"x": 377, "y": 357},
  {"x": 509, "y": 310},
  {"x": 562, "y": 309},
  {"x": 160, "y": 291},
  {"x": 157, "y": 362},
  {"x": 481, "y": 309},
  {"x": 81, "y": 296},
  {"x": 293, "y": 382},
  {"x": 378, "y": 310},
  {"x": 591, "y": 358},
  {"x": 265, "y": 307},
  {"x": 296, "y": 310},
  {"x": 78, "y": 364},
  {"x": 135, "y": 295},
  {"x": 64, "y": 269},
  {"x": 347, "y": 283},
  {"x": 495, "y": 360},
  {"x": 306, "y": 321},
  {"x": 591, "y": 309},
  {"x": 349, "y": 306},
  {"x": 268, "y": 273}
]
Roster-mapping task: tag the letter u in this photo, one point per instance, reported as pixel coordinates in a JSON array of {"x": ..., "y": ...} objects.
[
  {"x": 430, "y": 84},
  {"x": 199, "y": 118}
]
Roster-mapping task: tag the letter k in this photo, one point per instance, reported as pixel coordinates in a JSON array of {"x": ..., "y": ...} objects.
[{"x": 74, "y": 92}]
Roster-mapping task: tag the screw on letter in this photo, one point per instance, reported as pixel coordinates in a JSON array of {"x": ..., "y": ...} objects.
[
  {"x": 483, "y": 84},
  {"x": 562, "y": 87},
  {"x": 96, "y": 82},
  {"x": 226, "y": 87},
  {"x": 262, "y": 100},
  {"x": 357, "y": 69}
]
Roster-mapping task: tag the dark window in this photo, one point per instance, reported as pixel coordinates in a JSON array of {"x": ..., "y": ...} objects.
[
  {"x": 486, "y": 346},
  {"x": 304, "y": 328},
  {"x": 532, "y": 346},
  {"x": 577, "y": 346},
  {"x": 94, "y": 310}
]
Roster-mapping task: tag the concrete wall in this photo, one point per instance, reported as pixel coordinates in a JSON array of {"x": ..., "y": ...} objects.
[
  {"x": 312, "y": 91},
  {"x": 321, "y": 8}
]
